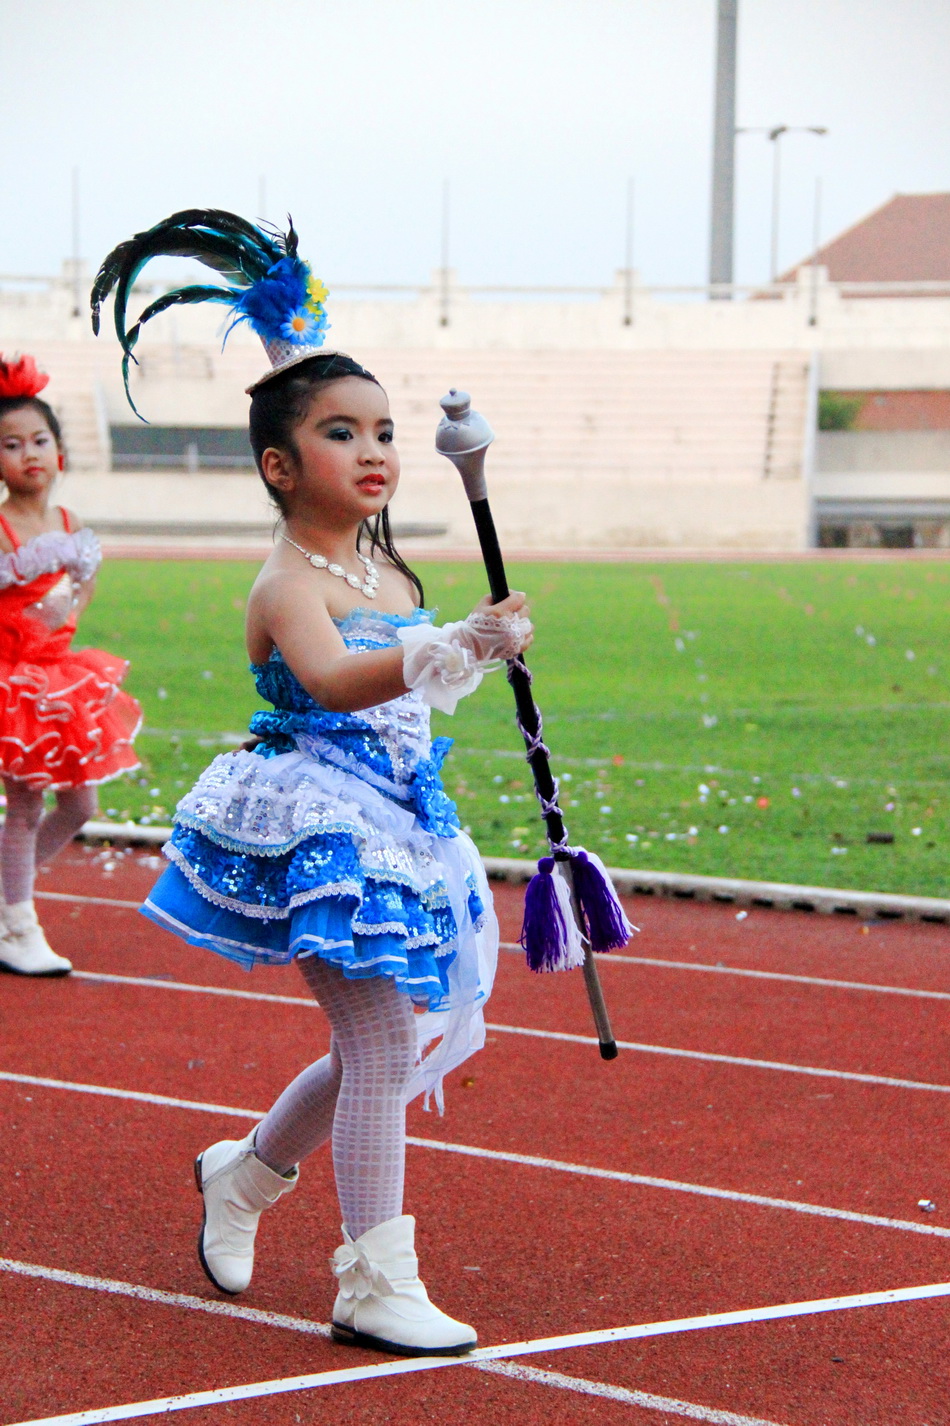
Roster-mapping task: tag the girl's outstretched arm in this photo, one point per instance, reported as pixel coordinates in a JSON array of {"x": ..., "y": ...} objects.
[{"x": 298, "y": 622}]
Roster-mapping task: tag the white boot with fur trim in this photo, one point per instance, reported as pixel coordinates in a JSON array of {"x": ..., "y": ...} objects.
[
  {"x": 24, "y": 950},
  {"x": 381, "y": 1302},
  {"x": 236, "y": 1187}
]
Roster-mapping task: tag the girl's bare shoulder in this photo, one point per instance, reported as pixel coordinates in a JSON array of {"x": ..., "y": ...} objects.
[
  {"x": 54, "y": 522},
  {"x": 281, "y": 598},
  {"x": 396, "y": 589},
  {"x": 277, "y": 580}
]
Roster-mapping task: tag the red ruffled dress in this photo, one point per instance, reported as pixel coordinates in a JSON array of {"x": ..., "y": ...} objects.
[{"x": 64, "y": 721}]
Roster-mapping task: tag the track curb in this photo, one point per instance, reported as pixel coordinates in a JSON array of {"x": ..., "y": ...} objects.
[
  {"x": 777, "y": 895},
  {"x": 774, "y": 895}
]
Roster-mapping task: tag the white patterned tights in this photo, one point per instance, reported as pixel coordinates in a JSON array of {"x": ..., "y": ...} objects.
[
  {"x": 356, "y": 1093},
  {"x": 31, "y": 838}
]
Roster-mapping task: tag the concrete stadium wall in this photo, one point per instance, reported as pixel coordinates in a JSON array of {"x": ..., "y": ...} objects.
[
  {"x": 876, "y": 451},
  {"x": 690, "y": 425},
  {"x": 922, "y": 368},
  {"x": 808, "y": 315}
]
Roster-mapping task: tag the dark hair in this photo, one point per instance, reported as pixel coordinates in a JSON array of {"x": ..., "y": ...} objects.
[
  {"x": 17, "y": 403},
  {"x": 277, "y": 408}
]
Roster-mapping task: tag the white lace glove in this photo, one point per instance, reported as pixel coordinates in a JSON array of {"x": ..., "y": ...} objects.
[{"x": 445, "y": 664}]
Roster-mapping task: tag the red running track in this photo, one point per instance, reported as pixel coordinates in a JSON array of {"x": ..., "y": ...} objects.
[{"x": 720, "y": 1184}]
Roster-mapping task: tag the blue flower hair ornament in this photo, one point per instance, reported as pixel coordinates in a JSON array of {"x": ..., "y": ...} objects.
[
  {"x": 269, "y": 286},
  {"x": 285, "y": 305}
]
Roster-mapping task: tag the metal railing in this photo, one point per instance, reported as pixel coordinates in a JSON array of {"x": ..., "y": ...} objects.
[
  {"x": 437, "y": 286},
  {"x": 626, "y": 300}
]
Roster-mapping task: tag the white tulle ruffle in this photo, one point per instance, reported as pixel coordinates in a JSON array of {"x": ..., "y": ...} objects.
[
  {"x": 269, "y": 805},
  {"x": 78, "y": 554}
]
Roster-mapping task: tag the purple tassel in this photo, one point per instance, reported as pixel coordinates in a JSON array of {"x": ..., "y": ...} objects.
[
  {"x": 604, "y": 923},
  {"x": 549, "y": 935}
]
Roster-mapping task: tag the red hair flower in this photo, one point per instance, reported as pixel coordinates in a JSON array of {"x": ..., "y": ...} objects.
[{"x": 21, "y": 377}]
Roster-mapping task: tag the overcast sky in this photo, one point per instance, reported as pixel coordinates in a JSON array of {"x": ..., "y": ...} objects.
[{"x": 537, "y": 111}]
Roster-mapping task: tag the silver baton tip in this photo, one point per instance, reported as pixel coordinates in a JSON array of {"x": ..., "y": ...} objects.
[
  {"x": 461, "y": 429},
  {"x": 456, "y": 405},
  {"x": 463, "y": 435}
]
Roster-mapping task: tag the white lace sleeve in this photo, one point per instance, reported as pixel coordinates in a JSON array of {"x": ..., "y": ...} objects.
[
  {"x": 79, "y": 554},
  {"x": 445, "y": 664}
]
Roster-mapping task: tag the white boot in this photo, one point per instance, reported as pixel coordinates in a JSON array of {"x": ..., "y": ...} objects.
[
  {"x": 381, "y": 1302},
  {"x": 24, "y": 949},
  {"x": 236, "y": 1187}
]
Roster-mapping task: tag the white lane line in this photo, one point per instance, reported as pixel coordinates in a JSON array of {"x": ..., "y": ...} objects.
[
  {"x": 157, "y": 983},
  {"x": 256, "y": 1390},
  {"x": 724, "y": 1059},
  {"x": 561, "y": 1035},
  {"x": 519, "y": 1372},
  {"x": 612, "y": 956},
  {"x": 166, "y": 1101},
  {"x": 153, "y": 983},
  {"x": 775, "y": 975},
  {"x": 87, "y": 900},
  {"x": 165, "y": 1299},
  {"x": 526, "y": 1160},
  {"x": 675, "y": 1186}
]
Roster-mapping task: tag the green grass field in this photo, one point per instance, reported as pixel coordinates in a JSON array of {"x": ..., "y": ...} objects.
[{"x": 754, "y": 720}]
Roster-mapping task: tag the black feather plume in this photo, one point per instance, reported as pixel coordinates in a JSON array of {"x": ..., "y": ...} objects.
[{"x": 237, "y": 250}]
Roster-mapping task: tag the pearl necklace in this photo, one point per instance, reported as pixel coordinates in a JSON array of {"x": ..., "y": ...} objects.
[{"x": 369, "y": 587}]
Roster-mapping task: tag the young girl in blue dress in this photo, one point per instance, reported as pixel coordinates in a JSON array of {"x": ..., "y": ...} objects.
[{"x": 331, "y": 841}]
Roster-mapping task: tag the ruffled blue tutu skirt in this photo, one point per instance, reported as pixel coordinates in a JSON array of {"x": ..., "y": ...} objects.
[{"x": 279, "y": 857}]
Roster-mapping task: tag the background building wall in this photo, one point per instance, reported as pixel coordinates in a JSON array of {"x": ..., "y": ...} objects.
[{"x": 625, "y": 417}]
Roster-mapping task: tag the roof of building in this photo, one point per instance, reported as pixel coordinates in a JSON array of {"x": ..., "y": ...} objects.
[{"x": 905, "y": 240}]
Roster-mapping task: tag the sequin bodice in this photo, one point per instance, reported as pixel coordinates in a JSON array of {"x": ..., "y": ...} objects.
[
  {"x": 389, "y": 746},
  {"x": 39, "y": 580}
]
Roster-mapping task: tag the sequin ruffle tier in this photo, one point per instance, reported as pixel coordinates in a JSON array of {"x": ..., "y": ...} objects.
[{"x": 283, "y": 856}]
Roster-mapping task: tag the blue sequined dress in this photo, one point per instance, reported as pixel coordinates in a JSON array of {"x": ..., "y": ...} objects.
[{"x": 334, "y": 838}]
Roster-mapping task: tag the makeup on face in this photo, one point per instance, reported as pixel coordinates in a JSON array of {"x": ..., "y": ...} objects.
[
  {"x": 29, "y": 454},
  {"x": 346, "y": 462}
]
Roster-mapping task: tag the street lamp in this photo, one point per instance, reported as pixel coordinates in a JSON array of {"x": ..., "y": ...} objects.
[{"x": 774, "y": 135}]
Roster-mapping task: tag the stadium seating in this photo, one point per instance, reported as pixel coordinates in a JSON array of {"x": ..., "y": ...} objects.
[{"x": 594, "y": 448}]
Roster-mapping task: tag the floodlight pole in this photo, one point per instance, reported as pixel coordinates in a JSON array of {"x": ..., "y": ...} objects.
[
  {"x": 628, "y": 260},
  {"x": 816, "y": 241},
  {"x": 77, "y": 260},
  {"x": 774, "y": 136},
  {"x": 721, "y": 240},
  {"x": 444, "y": 295}
]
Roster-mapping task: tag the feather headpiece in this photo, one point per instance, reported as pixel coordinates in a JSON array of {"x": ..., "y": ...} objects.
[
  {"x": 20, "y": 377},
  {"x": 270, "y": 287}
]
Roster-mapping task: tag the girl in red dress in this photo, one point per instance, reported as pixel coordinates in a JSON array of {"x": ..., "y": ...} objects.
[{"x": 65, "y": 726}]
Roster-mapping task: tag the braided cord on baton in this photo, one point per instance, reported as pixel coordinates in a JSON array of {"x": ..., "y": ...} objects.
[{"x": 531, "y": 726}]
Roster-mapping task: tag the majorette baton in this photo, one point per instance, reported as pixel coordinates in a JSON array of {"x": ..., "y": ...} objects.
[{"x": 571, "y": 908}]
